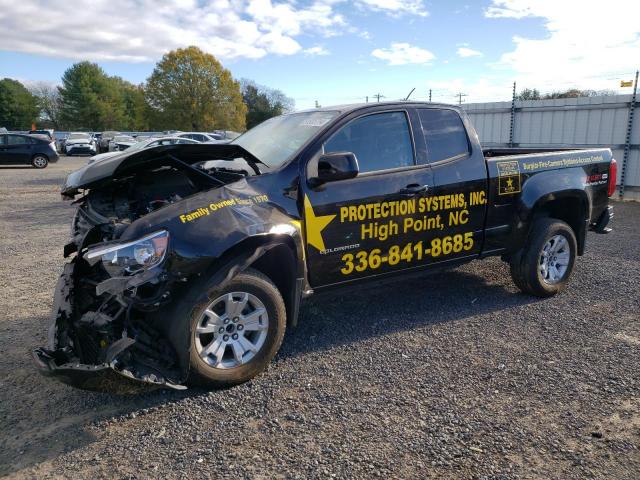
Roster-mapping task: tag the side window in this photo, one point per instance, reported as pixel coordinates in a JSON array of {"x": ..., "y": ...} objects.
[
  {"x": 16, "y": 140},
  {"x": 379, "y": 141},
  {"x": 3, "y": 139},
  {"x": 444, "y": 133}
]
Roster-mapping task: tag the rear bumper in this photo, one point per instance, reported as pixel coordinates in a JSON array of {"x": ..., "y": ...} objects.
[{"x": 601, "y": 225}]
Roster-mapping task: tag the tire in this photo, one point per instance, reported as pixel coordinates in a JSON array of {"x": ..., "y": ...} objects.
[
  {"x": 220, "y": 368},
  {"x": 543, "y": 267},
  {"x": 40, "y": 161}
]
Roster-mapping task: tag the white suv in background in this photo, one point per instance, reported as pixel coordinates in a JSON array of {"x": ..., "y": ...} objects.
[{"x": 79, "y": 143}]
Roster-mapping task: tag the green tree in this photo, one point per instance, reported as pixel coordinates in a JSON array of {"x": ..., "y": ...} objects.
[
  {"x": 90, "y": 99},
  {"x": 18, "y": 107},
  {"x": 190, "y": 90},
  {"x": 263, "y": 102},
  {"x": 136, "y": 116},
  {"x": 576, "y": 93},
  {"x": 528, "y": 94}
]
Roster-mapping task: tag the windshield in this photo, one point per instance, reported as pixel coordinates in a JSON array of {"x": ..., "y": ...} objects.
[
  {"x": 276, "y": 140},
  {"x": 123, "y": 138},
  {"x": 79, "y": 136}
]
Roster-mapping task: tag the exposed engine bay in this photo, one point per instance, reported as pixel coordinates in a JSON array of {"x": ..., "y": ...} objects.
[{"x": 110, "y": 296}]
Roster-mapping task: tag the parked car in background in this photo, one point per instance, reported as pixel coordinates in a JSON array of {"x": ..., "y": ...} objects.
[
  {"x": 80, "y": 143},
  {"x": 226, "y": 134},
  {"x": 46, "y": 132},
  {"x": 105, "y": 138},
  {"x": 36, "y": 150},
  {"x": 60, "y": 138},
  {"x": 201, "y": 137},
  {"x": 120, "y": 143},
  {"x": 152, "y": 142}
]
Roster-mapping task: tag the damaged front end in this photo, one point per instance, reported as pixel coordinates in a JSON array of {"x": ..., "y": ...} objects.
[
  {"x": 107, "y": 348},
  {"x": 110, "y": 327},
  {"x": 101, "y": 337}
]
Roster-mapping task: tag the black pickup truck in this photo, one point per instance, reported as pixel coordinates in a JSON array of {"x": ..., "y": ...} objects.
[{"x": 188, "y": 262}]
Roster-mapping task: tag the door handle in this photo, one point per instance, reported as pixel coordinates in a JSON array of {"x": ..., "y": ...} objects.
[{"x": 414, "y": 189}]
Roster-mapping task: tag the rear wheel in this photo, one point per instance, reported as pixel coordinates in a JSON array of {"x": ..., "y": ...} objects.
[
  {"x": 237, "y": 331},
  {"x": 544, "y": 265},
  {"x": 40, "y": 161}
]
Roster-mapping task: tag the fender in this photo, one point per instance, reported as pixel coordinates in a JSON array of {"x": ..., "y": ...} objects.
[
  {"x": 561, "y": 192},
  {"x": 233, "y": 262}
]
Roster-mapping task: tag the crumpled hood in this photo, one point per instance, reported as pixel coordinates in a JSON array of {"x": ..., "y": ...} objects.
[{"x": 123, "y": 163}]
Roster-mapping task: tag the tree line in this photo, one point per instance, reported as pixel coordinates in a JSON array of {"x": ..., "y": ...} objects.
[
  {"x": 188, "y": 90},
  {"x": 534, "y": 94}
]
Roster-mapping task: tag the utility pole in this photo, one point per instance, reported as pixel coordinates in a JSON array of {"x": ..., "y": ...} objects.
[
  {"x": 378, "y": 96},
  {"x": 429, "y": 95},
  {"x": 627, "y": 142},
  {"x": 460, "y": 95},
  {"x": 367, "y": 97}
]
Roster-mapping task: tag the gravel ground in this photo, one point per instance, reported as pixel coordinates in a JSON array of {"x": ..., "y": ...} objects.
[{"x": 450, "y": 376}]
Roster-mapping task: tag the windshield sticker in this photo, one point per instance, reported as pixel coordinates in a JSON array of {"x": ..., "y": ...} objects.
[
  {"x": 316, "y": 122},
  {"x": 508, "y": 177}
]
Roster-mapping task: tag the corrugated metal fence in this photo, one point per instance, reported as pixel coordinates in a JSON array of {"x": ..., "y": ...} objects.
[{"x": 565, "y": 122}]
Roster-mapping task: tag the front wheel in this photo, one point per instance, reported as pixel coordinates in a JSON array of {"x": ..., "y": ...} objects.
[
  {"x": 543, "y": 267},
  {"x": 40, "y": 161},
  {"x": 236, "y": 332}
]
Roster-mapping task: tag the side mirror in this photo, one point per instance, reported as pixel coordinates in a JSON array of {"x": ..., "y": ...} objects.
[{"x": 336, "y": 166}]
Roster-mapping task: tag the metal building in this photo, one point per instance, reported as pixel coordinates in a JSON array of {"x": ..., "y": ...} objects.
[{"x": 567, "y": 122}]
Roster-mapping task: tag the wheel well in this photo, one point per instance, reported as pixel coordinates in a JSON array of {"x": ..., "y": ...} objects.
[
  {"x": 40, "y": 155},
  {"x": 279, "y": 264},
  {"x": 571, "y": 210}
]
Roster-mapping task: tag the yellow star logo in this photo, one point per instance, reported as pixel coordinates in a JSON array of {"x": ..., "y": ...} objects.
[
  {"x": 314, "y": 225},
  {"x": 510, "y": 183}
]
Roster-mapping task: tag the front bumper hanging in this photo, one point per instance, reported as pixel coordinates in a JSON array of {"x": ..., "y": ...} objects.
[{"x": 61, "y": 362}]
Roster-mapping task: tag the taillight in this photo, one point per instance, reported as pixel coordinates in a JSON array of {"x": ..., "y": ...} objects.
[{"x": 613, "y": 173}]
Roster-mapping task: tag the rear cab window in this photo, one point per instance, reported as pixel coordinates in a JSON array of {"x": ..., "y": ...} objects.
[
  {"x": 444, "y": 134},
  {"x": 380, "y": 141}
]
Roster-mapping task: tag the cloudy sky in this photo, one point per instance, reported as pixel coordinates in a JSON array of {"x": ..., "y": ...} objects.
[{"x": 338, "y": 51}]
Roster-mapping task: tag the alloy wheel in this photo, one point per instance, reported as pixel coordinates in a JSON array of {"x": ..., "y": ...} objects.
[
  {"x": 554, "y": 259},
  {"x": 232, "y": 330}
]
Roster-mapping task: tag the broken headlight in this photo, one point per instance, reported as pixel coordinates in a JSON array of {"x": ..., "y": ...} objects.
[{"x": 131, "y": 257}]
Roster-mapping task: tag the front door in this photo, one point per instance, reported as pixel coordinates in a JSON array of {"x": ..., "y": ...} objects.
[{"x": 371, "y": 224}]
